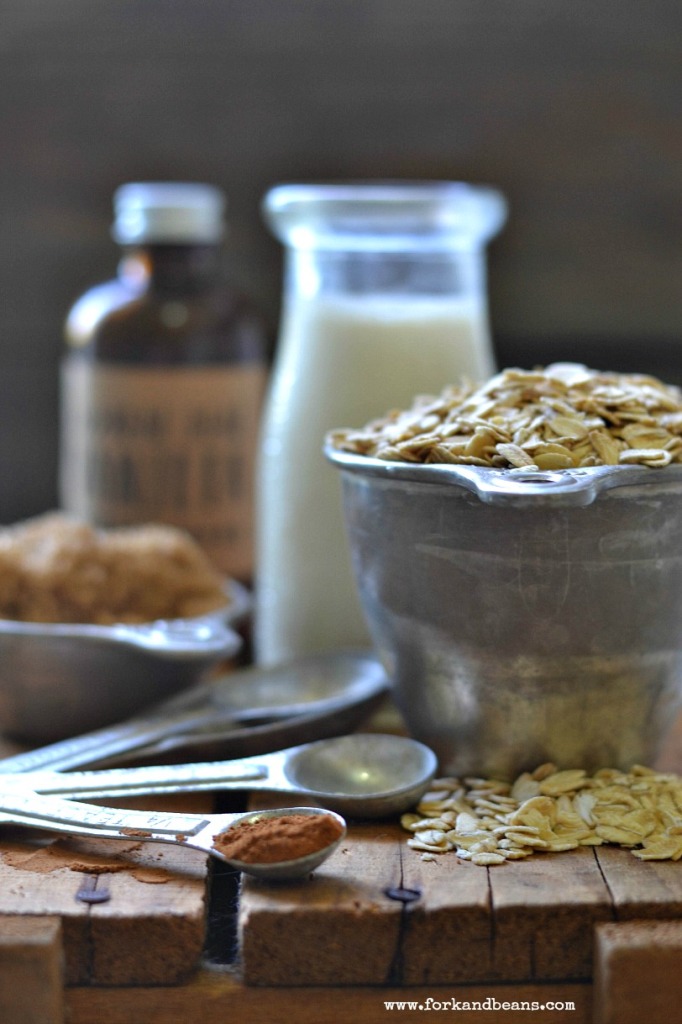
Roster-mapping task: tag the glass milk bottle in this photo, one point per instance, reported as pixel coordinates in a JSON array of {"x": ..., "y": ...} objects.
[{"x": 384, "y": 298}]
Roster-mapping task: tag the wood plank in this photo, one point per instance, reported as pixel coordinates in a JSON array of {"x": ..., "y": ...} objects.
[
  {"x": 637, "y": 972},
  {"x": 338, "y": 927},
  {"x": 219, "y": 996},
  {"x": 526, "y": 920},
  {"x": 572, "y": 113},
  {"x": 150, "y": 931},
  {"x": 36, "y": 894},
  {"x": 31, "y": 970},
  {"x": 641, "y": 889},
  {"x": 545, "y": 909},
  {"x": 438, "y": 943},
  {"x": 531, "y": 919}
]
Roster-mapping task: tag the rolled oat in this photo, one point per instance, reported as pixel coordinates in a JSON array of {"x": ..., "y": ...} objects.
[
  {"x": 558, "y": 417},
  {"x": 550, "y": 811}
]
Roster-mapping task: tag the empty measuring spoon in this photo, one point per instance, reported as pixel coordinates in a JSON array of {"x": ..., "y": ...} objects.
[
  {"x": 314, "y": 687},
  {"x": 362, "y": 775},
  {"x": 194, "y": 831}
]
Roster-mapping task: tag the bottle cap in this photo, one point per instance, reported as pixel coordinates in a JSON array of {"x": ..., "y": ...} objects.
[{"x": 168, "y": 212}]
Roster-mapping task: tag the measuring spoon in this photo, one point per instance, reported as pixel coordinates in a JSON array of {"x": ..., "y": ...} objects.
[
  {"x": 313, "y": 687},
  {"x": 195, "y": 831},
  {"x": 362, "y": 775}
]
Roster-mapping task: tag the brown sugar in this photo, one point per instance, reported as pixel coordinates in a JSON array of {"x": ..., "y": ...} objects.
[
  {"x": 274, "y": 839},
  {"x": 57, "y": 569}
]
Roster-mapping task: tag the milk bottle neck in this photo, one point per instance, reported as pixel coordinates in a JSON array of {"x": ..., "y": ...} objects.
[{"x": 315, "y": 273}]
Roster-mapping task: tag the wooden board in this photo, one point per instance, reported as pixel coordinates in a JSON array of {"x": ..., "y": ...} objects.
[
  {"x": 637, "y": 976},
  {"x": 31, "y": 985},
  {"x": 216, "y": 997},
  {"x": 151, "y": 929},
  {"x": 524, "y": 920},
  {"x": 531, "y": 921}
]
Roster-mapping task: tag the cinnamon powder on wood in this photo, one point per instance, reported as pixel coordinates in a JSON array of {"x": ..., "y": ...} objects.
[{"x": 270, "y": 840}]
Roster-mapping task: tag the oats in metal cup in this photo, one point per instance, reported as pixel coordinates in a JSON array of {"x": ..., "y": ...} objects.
[{"x": 561, "y": 416}]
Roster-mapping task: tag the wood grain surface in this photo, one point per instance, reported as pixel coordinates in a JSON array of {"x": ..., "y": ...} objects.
[
  {"x": 573, "y": 110},
  {"x": 151, "y": 928},
  {"x": 526, "y": 920},
  {"x": 374, "y": 923}
]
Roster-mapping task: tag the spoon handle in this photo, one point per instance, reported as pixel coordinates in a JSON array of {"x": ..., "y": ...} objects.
[
  {"x": 78, "y": 750},
  {"x": 152, "y": 779},
  {"x": 123, "y": 738},
  {"x": 21, "y": 806}
]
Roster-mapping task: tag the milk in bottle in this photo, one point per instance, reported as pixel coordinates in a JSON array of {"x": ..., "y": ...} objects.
[{"x": 384, "y": 299}]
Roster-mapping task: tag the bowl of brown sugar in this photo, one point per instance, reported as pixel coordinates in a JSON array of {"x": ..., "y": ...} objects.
[{"x": 96, "y": 625}]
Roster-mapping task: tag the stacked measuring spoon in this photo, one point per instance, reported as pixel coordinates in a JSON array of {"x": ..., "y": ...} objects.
[{"x": 360, "y": 775}]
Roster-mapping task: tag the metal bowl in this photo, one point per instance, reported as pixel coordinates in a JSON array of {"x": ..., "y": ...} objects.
[
  {"x": 58, "y": 680},
  {"x": 523, "y": 617}
]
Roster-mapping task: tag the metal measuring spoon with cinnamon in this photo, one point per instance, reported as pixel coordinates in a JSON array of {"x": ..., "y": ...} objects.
[{"x": 211, "y": 833}]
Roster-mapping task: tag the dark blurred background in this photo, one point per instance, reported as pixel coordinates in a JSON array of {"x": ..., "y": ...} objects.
[{"x": 572, "y": 109}]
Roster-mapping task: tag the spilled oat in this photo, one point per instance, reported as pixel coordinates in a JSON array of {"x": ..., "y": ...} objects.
[{"x": 490, "y": 822}]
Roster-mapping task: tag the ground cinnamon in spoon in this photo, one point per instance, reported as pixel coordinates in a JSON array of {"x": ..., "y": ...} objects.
[{"x": 270, "y": 840}]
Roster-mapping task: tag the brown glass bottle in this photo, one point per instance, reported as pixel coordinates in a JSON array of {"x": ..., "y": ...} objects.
[{"x": 163, "y": 381}]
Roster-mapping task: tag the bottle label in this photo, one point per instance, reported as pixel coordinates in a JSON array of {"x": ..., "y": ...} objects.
[{"x": 165, "y": 444}]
